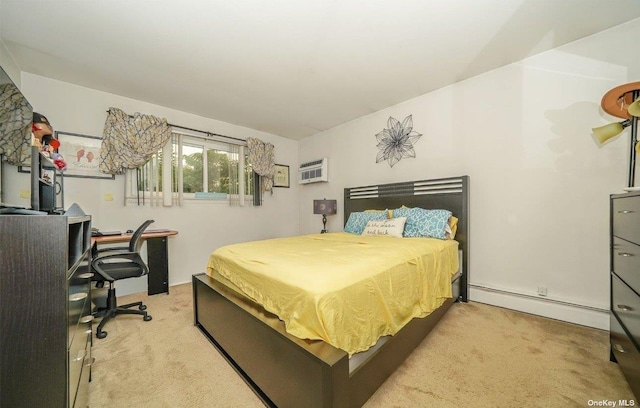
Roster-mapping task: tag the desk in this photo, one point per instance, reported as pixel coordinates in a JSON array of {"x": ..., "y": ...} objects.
[{"x": 157, "y": 256}]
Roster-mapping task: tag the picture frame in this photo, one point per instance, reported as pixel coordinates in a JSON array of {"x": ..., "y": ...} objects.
[
  {"x": 281, "y": 176},
  {"x": 81, "y": 154}
]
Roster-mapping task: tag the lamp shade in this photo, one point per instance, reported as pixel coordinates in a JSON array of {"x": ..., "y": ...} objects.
[
  {"x": 325, "y": 207},
  {"x": 606, "y": 132},
  {"x": 634, "y": 108}
]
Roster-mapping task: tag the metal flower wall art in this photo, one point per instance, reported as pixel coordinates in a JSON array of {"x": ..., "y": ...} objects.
[{"x": 396, "y": 141}]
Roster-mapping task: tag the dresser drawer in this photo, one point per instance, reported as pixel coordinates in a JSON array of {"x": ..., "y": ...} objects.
[
  {"x": 626, "y": 218},
  {"x": 79, "y": 299},
  {"x": 626, "y": 262},
  {"x": 627, "y": 356},
  {"x": 625, "y": 303},
  {"x": 77, "y": 304},
  {"x": 82, "y": 395},
  {"x": 79, "y": 356},
  {"x": 83, "y": 327}
]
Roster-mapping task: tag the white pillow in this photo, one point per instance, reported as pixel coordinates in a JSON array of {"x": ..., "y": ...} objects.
[{"x": 392, "y": 227}]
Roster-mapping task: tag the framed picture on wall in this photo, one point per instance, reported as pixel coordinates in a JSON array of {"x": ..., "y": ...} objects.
[
  {"x": 81, "y": 153},
  {"x": 281, "y": 176}
]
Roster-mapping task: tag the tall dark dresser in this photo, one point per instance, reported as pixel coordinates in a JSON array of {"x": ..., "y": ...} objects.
[
  {"x": 625, "y": 286},
  {"x": 45, "y": 311}
]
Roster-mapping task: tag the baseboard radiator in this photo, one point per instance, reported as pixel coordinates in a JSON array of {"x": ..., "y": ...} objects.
[{"x": 538, "y": 298}]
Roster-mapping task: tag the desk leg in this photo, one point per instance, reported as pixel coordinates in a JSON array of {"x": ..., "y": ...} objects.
[{"x": 158, "y": 262}]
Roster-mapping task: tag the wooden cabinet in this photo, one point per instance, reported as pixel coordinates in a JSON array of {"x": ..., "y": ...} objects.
[
  {"x": 45, "y": 310},
  {"x": 625, "y": 286}
]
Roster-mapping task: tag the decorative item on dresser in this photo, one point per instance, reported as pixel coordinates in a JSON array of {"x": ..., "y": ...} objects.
[
  {"x": 45, "y": 310},
  {"x": 325, "y": 207},
  {"x": 625, "y": 286}
]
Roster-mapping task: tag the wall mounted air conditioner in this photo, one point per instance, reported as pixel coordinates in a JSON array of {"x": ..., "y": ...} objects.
[{"x": 313, "y": 171}]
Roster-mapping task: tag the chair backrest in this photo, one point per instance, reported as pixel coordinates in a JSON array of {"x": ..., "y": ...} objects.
[{"x": 135, "y": 243}]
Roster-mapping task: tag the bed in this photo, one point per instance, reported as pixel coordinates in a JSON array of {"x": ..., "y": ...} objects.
[{"x": 287, "y": 371}]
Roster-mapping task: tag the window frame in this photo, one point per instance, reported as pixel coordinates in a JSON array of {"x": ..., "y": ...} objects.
[{"x": 205, "y": 143}]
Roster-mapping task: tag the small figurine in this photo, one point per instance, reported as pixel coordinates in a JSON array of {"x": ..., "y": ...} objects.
[
  {"x": 43, "y": 138},
  {"x": 40, "y": 127},
  {"x": 52, "y": 147}
]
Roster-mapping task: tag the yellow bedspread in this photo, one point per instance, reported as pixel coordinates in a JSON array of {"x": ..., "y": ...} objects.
[{"x": 345, "y": 289}]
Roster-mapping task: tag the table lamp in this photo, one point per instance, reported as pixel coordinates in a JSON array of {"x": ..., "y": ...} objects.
[{"x": 325, "y": 207}]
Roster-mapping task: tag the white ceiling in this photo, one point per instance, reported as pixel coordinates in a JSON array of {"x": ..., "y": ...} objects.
[{"x": 288, "y": 67}]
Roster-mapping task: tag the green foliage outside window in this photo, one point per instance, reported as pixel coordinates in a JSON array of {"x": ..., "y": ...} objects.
[{"x": 192, "y": 171}]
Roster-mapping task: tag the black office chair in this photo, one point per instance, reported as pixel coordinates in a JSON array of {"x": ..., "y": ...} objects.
[{"x": 115, "y": 263}]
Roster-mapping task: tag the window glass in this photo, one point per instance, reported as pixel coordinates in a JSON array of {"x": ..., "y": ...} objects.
[
  {"x": 205, "y": 171},
  {"x": 192, "y": 168},
  {"x": 217, "y": 171}
]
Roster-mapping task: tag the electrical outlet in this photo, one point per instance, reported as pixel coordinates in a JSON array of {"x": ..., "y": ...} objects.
[{"x": 542, "y": 291}]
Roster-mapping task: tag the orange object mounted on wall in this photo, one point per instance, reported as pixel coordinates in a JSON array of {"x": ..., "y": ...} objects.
[{"x": 616, "y": 101}]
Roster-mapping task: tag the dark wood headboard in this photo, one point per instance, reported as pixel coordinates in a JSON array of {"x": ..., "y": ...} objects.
[{"x": 447, "y": 193}]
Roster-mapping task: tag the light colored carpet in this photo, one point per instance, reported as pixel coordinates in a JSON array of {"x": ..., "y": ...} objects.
[{"x": 477, "y": 356}]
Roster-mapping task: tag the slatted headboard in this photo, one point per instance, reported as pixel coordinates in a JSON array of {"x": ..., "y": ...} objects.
[{"x": 447, "y": 193}]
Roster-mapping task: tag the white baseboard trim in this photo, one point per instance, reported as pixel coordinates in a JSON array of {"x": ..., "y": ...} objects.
[
  {"x": 585, "y": 316},
  {"x": 138, "y": 285},
  {"x": 577, "y": 314}
]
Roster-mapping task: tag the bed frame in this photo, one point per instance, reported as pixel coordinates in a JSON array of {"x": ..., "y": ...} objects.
[{"x": 286, "y": 371}]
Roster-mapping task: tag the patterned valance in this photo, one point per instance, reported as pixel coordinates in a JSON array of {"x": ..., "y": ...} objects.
[
  {"x": 128, "y": 142},
  {"x": 15, "y": 125},
  {"x": 261, "y": 158}
]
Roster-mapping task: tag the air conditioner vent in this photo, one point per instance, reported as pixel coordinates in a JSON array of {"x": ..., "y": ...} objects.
[
  {"x": 311, "y": 163},
  {"x": 313, "y": 171}
]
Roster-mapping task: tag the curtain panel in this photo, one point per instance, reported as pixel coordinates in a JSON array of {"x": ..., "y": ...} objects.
[
  {"x": 128, "y": 142},
  {"x": 261, "y": 158},
  {"x": 15, "y": 126}
]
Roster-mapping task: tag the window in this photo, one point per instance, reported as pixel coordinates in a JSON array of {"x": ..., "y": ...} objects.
[{"x": 201, "y": 169}]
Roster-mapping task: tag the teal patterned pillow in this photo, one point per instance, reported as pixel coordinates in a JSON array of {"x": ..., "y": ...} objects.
[
  {"x": 424, "y": 223},
  {"x": 358, "y": 220}
]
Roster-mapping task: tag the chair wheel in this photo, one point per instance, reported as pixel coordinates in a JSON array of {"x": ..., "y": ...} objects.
[
  {"x": 101, "y": 334},
  {"x": 142, "y": 307},
  {"x": 147, "y": 318}
]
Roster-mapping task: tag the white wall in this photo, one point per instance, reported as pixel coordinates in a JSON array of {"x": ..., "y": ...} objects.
[
  {"x": 6, "y": 61},
  {"x": 539, "y": 183},
  {"x": 202, "y": 226},
  {"x": 8, "y": 65}
]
